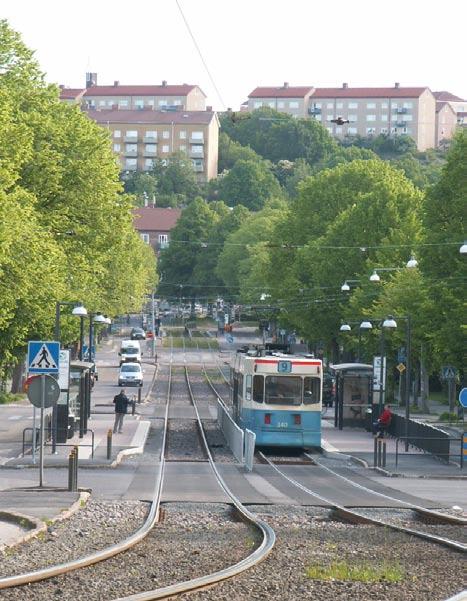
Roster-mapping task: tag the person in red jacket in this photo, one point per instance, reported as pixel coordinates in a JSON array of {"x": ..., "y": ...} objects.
[{"x": 384, "y": 421}]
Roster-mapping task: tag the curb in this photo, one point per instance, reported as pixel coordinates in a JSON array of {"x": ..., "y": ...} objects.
[
  {"x": 131, "y": 451},
  {"x": 37, "y": 525}
]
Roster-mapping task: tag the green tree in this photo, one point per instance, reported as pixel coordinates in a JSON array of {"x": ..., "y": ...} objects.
[
  {"x": 231, "y": 151},
  {"x": 175, "y": 179},
  {"x": 248, "y": 183}
]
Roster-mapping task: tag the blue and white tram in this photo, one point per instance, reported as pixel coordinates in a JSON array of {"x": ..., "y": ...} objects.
[{"x": 278, "y": 397}]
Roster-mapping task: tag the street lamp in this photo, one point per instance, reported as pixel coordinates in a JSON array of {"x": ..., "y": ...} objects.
[
  {"x": 412, "y": 262},
  {"x": 94, "y": 318},
  {"x": 364, "y": 325},
  {"x": 345, "y": 286},
  {"x": 463, "y": 249}
]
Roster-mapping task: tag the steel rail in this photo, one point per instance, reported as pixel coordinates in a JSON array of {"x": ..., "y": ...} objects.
[
  {"x": 108, "y": 552},
  {"x": 352, "y": 513},
  {"x": 251, "y": 560},
  {"x": 452, "y": 519}
]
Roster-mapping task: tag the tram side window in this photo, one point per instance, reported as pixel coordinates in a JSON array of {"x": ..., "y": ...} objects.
[
  {"x": 248, "y": 388},
  {"x": 258, "y": 389},
  {"x": 240, "y": 386},
  {"x": 311, "y": 389}
]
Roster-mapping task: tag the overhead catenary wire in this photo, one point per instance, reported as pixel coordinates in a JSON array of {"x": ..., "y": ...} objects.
[{"x": 200, "y": 54}]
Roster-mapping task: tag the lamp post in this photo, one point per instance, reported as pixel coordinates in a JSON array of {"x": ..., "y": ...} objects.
[
  {"x": 94, "y": 318},
  {"x": 363, "y": 325}
]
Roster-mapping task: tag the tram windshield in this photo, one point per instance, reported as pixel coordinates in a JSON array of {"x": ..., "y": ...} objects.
[{"x": 283, "y": 390}]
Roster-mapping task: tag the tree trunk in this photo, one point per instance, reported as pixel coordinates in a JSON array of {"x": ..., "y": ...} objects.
[
  {"x": 17, "y": 378},
  {"x": 424, "y": 382}
]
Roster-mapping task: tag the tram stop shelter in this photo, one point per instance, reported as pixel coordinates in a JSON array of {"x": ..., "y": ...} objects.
[
  {"x": 354, "y": 395},
  {"x": 74, "y": 404}
]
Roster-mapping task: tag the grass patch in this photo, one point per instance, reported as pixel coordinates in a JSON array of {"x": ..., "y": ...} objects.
[
  {"x": 448, "y": 417},
  {"x": 9, "y": 397},
  {"x": 356, "y": 572}
]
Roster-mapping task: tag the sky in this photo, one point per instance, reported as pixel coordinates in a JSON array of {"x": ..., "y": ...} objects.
[{"x": 247, "y": 43}]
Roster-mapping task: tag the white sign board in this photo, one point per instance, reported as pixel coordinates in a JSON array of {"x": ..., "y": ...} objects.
[
  {"x": 377, "y": 373},
  {"x": 64, "y": 370}
]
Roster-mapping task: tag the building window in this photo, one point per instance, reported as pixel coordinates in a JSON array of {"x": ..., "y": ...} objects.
[
  {"x": 384, "y": 117},
  {"x": 384, "y": 105},
  {"x": 394, "y": 117},
  {"x": 130, "y": 163},
  {"x": 151, "y": 134},
  {"x": 197, "y": 149},
  {"x": 338, "y": 131},
  {"x": 272, "y": 104},
  {"x": 329, "y": 118},
  {"x": 117, "y": 133},
  {"x": 131, "y": 147},
  {"x": 151, "y": 102},
  {"x": 370, "y": 105},
  {"x": 330, "y": 105},
  {"x": 340, "y": 105},
  {"x": 183, "y": 135},
  {"x": 293, "y": 104},
  {"x": 407, "y": 130},
  {"x": 407, "y": 117},
  {"x": 101, "y": 102},
  {"x": 165, "y": 148},
  {"x": 370, "y": 131},
  {"x": 352, "y": 118},
  {"x": 408, "y": 105},
  {"x": 131, "y": 133},
  {"x": 149, "y": 147},
  {"x": 149, "y": 163},
  {"x": 163, "y": 240},
  {"x": 177, "y": 102},
  {"x": 352, "y": 131},
  {"x": 257, "y": 104},
  {"x": 117, "y": 147},
  {"x": 197, "y": 164},
  {"x": 197, "y": 135},
  {"x": 162, "y": 102},
  {"x": 145, "y": 238},
  {"x": 280, "y": 104},
  {"x": 317, "y": 105},
  {"x": 166, "y": 135},
  {"x": 318, "y": 117},
  {"x": 182, "y": 148},
  {"x": 384, "y": 130},
  {"x": 139, "y": 104},
  {"x": 353, "y": 105},
  {"x": 371, "y": 117},
  {"x": 123, "y": 104}
]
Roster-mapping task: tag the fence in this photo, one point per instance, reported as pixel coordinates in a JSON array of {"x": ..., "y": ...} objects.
[
  {"x": 422, "y": 436},
  {"x": 419, "y": 442},
  {"x": 233, "y": 433}
]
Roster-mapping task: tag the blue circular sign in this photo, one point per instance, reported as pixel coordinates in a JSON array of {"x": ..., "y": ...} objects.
[{"x": 463, "y": 397}]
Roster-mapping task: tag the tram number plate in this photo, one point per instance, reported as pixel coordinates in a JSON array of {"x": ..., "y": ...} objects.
[
  {"x": 282, "y": 425},
  {"x": 284, "y": 367}
]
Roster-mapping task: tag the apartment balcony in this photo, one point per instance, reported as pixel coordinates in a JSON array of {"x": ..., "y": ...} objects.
[
  {"x": 150, "y": 153},
  {"x": 313, "y": 110},
  {"x": 196, "y": 141},
  {"x": 401, "y": 111},
  {"x": 130, "y": 153},
  {"x": 131, "y": 139},
  {"x": 130, "y": 167},
  {"x": 198, "y": 168},
  {"x": 149, "y": 140},
  {"x": 196, "y": 154}
]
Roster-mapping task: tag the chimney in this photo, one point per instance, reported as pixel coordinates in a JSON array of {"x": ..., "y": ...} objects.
[
  {"x": 116, "y": 83},
  {"x": 397, "y": 85},
  {"x": 164, "y": 83},
  {"x": 345, "y": 86},
  {"x": 91, "y": 80},
  {"x": 286, "y": 84},
  {"x": 209, "y": 109}
]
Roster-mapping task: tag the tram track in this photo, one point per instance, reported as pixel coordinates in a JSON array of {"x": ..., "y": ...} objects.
[{"x": 51, "y": 577}]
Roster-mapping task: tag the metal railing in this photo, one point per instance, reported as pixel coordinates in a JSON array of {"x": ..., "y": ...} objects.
[
  {"x": 423, "y": 436},
  {"x": 48, "y": 432},
  {"x": 249, "y": 450},
  {"x": 420, "y": 441}
]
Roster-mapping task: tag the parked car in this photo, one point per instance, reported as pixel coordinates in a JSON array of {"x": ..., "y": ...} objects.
[
  {"x": 138, "y": 334},
  {"x": 130, "y": 374},
  {"x": 329, "y": 389}
]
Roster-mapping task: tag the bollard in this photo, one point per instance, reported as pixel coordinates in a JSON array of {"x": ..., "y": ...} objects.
[
  {"x": 109, "y": 443},
  {"x": 379, "y": 451},
  {"x": 139, "y": 395},
  {"x": 70, "y": 470},
  {"x": 384, "y": 453},
  {"x": 75, "y": 479},
  {"x": 375, "y": 453}
]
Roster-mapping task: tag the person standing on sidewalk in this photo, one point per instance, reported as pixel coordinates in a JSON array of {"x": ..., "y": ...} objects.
[{"x": 121, "y": 406}]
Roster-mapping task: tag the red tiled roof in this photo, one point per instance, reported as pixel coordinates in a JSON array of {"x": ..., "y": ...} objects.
[
  {"x": 71, "y": 93},
  {"x": 368, "y": 92},
  {"x": 151, "y": 117},
  {"x": 155, "y": 219},
  {"x": 119, "y": 90},
  {"x": 281, "y": 92},
  {"x": 447, "y": 96}
]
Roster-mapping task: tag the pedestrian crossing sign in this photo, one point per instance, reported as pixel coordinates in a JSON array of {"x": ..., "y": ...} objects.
[{"x": 43, "y": 356}]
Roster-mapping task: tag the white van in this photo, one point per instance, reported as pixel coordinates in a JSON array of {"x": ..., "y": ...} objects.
[{"x": 130, "y": 351}]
